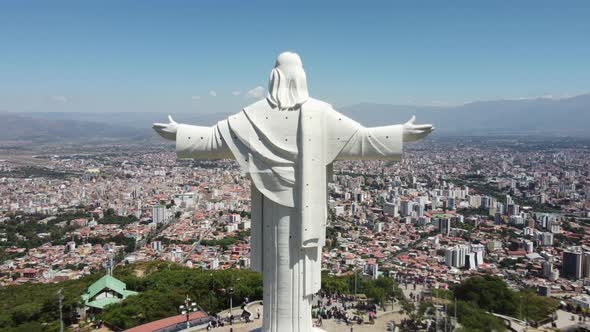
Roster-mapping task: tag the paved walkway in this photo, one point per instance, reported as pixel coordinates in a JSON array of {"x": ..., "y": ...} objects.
[
  {"x": 409, "y": 289},
  {"x": 329, "y": 325},
  {"x": 564, "y": 319}
]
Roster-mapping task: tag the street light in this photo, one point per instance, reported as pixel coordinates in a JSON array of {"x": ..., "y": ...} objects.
[
  {"x": 60, "y": 296},
  {"x": 211, "y": 291},
  {"x": 187, "y": 308},
  {"x": 230, "y": 291}
]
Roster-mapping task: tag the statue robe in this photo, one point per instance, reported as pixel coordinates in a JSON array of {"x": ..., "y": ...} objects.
[{"x": 288, "y": 155}]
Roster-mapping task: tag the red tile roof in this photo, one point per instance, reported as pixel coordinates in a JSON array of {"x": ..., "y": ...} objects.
[{"x": 165, "y": 322}]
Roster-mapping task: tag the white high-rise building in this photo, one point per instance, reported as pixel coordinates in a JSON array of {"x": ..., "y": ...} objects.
[
  {"x": 390, "y": 209},
  {"x": 471, "y": 261},
  {"x": 353, "y": 208},
  {"x": 516, "y": 220},
  {"x": 455, "y": 256},
  {"x": 512, "y": 209},
  {"x": 419, "y": 208},
  {"x": 159, "y": 214},
  {"x": 378, "y": 227},
  {"x": 451, "y": 203},
  {"x": 185, "y": 200},
  {"x": 529, "y": 246},
  {"x": 549, "y": 271},
  {"x": 475, "y": 201},
  {"x": 544, "y": 220},
  {"x": 234, "y": 218},
  {"x": 157, "y": 245},
  {"x": 572, "y": 263},
  {"x": 71, "y": 246},
  {"x": 443, "y": 225},
  {"x": 486, "y": 202},
  {"x": 214, "y": 263},
  {"x": 479, "y": 250},
  {"x": 406, "y": 208},
  {"x": 554, "y": 226},
  {"x": 546, "y": 239}
]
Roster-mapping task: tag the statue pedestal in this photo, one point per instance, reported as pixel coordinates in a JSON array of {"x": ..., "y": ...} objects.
[{"x": 286, "y": 306}]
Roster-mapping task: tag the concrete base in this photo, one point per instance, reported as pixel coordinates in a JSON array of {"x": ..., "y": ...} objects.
[{"x": 313, "y": 329}]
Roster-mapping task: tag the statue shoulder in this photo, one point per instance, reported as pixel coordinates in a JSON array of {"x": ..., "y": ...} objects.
[
  {"x": 261, "y": 105},
  {"x": 318, "y": 104},
  {"x": 264, "y": 105}
]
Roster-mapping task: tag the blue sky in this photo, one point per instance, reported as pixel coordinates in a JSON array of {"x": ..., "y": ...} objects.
[{"x": 174, "y": 56}]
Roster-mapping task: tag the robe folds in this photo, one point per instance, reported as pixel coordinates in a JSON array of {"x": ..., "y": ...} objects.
[{"x": 288, "y": 155}]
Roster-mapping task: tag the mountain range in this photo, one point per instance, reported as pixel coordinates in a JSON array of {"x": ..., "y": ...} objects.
[{"x": 540, "y": 116}]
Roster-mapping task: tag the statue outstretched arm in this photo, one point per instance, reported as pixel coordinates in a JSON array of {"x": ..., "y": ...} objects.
[
  {"x": 382, "y": 143},
  {"x": 194, "y": 142},
  {"x": 414, "y": 132}
]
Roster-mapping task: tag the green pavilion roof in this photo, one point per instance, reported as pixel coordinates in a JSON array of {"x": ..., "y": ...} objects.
[{"x": 108, "y": 282}]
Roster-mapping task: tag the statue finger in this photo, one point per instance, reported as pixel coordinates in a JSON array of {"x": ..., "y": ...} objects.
[
  {"x": 422, "y": 127},
  {"x": 412, "y": 120}
]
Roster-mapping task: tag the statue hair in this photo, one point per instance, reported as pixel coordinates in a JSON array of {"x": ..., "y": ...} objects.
[{"x": 287, "y": 88}]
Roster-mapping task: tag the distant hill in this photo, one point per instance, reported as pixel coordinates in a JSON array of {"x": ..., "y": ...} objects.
[
  {"x": 541, "y": 116},
  {"x": 570, "y": 116},
  {"x": 35, "y": 128},
  {"x": 138, "y": 120}
]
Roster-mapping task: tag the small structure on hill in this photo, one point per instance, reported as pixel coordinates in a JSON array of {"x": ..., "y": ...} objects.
[{"x": 106, "y": 290}]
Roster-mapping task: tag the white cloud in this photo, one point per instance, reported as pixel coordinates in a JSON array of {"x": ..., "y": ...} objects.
[
  {"x": 236, "y": 93},
  {"x": 59, "y": 99},
  {"x": 257, "y": 92},
  {"x": 195, "y": 97},
  {"x": 213, "y": 93}
]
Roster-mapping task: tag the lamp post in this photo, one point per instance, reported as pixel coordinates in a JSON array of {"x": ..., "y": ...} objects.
[
  {"x": 231, "y": 298},
  {"x": 392, "y": 295},
  {"x": 60, "y": 297},
  {"x": 230, "y": 291},
  {"x": 187, "y": 308},
  {"x": 211, "y": 291}
]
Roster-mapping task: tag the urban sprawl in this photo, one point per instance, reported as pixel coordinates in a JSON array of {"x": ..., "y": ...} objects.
[{"x": 516, "y": 208}]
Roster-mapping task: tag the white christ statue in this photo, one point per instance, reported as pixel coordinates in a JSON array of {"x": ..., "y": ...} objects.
[{"x": 286, "y": 144}]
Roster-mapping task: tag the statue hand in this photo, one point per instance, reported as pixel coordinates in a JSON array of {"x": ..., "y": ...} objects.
[
  {"x": 167, "y": 130},
  {"x": 414, "y": 132}
]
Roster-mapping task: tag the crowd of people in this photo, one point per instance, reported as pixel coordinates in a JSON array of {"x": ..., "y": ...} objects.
[
  {"x": 337, "y": 306},
  {"x": 245, "y": 317},
  {"x": 328, "y": 306}
]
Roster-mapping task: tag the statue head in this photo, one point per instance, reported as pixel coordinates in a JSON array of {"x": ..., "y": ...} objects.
[{"x": 287, "y": 88}]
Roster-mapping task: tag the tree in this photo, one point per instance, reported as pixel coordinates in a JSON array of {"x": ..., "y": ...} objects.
[
  {"x": 493, "y": 295},
  {"x": 489, "y": 293},
  {"x": 474, "y": 319},
  {"x": 27, "y": 307}
]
